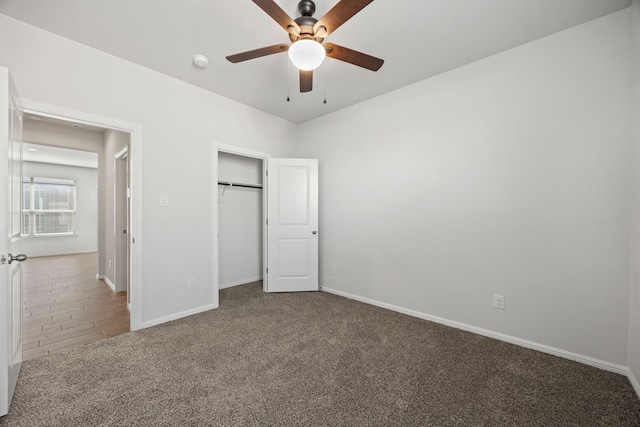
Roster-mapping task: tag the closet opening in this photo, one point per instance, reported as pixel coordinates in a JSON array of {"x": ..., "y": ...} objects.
[{"x": 241, "y": 219}]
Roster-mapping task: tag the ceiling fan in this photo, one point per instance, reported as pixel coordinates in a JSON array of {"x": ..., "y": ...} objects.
[{"x": 307, "y": 49}]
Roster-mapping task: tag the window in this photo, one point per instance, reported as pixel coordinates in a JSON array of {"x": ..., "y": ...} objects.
[{"x": 48, "y": 206}]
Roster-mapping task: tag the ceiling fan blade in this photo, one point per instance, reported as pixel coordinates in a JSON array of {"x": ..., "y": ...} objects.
[
  {"x": 257, "y": 53},
  {"x": 353, "y": 57},
  {"x": 306, "y": 81},
  {"x": 280, "y": 16},
  {"x": 339, "y": 14}
]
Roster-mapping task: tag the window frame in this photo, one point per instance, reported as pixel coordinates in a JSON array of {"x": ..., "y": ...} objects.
[{"x": 31, "y": 221}]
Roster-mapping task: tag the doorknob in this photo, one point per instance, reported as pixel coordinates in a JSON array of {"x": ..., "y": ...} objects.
[
  {"x": 314, "y": 232},
  {"x": 19, "y": 258}
]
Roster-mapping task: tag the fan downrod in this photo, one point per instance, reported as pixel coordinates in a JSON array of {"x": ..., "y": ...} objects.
[{"x": 306, "y": 7}]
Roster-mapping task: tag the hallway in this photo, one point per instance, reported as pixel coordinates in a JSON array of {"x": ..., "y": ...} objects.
[{"x": 66, "y": 306}]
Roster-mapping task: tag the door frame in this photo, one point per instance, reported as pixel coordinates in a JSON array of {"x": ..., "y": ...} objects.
[
  {"x": 239, "y": 151},
  {"x": 121, "y": 216},
  {"x": 135, "y": 175}
]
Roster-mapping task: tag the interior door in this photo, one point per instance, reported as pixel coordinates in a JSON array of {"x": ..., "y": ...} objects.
[
  {"x": 10, "y": 242},
  {"x": 122, "y": 223},
  {"x": 292, "y": 225}
]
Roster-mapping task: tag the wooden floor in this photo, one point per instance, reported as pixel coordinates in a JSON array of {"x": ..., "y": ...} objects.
[{"x": 66, "y": 306}]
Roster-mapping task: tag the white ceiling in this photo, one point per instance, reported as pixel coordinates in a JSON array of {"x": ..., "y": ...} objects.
[{"x": 416, "y": 38}]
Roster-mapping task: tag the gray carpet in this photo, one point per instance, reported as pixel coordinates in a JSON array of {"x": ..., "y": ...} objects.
[{"x": 313, "y": 359}]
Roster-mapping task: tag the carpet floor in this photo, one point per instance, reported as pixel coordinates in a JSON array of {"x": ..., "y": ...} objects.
[{"x": 313, "y": 359}]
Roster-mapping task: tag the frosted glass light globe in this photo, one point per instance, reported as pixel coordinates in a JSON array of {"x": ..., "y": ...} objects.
[{"x": 306, "y": 54}]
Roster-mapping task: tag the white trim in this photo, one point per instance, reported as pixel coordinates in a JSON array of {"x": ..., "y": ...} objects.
[
  {"x": 634, "y": 382},
  {"x": 61, "y": 164},
  {"x": 57, "y": 112},
  {"x": 121, "y": 153},
  {"x": 607, "y": 366},
  {"x": 215, "y": 236},
  {"x": 135, "y": 151},
  {"x": 215, "y": 268},
  {"x": 47, "y": 236},
  {"x": 117, "y": 237},
  {"x": 107, "y": 281},
  {"x": 177, "y": 316},
  {"x": 242, "y": 151},
  {"x": 89, "y": 251},
  {"x": 239, "y": 282}
]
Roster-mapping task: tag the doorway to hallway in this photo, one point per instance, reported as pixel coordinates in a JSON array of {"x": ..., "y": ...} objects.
[{"x": 65, "y": 305}]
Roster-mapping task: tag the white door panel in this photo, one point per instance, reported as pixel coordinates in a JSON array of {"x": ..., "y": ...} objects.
[
  {"x": 294, "y": 255},
  {"x": 10, "y": 240},
  {"x": 292, "y": 231},
  {"x": 294, "y": 194}
]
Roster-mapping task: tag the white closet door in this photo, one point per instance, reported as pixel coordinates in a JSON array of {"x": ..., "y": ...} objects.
[{"x": 292, "y": 214}]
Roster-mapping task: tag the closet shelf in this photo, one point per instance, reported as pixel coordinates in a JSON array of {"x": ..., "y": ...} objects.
[{"x": 239, "y": 184}]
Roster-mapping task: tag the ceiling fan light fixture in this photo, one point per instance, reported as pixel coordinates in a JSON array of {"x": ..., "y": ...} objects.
[{"x": 307, "y": 54}]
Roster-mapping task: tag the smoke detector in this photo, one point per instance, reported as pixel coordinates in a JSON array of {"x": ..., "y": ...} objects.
[{"x": 200, "y": 61}]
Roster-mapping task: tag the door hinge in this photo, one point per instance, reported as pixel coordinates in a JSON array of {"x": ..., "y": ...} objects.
[
  {"x": 266, "y": 173},
  {"x": 267, "y": 221},
  {"x": 267, "y": 270}
]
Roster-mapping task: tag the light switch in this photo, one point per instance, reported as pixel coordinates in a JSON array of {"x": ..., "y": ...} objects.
[{"x": 164, "y": 200}]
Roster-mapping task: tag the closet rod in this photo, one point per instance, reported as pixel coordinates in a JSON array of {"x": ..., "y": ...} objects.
[{"x": 238, "y": 184}]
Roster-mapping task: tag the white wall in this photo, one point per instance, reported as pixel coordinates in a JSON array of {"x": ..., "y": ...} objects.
[
  {"x": 508, "y": 176},
  {"x": 634, "y": 289},
  {"x": 86, "y": 238},
  {"x": 239, "y": 221},
  {"x": 180, "y": 124},
  {"x": 41, "y": 132}
]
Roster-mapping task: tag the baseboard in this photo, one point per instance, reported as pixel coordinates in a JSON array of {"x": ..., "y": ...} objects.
[
  {"x": 62, "y": 253},
  {"x": 239, "y": 282},
  {"x": 107, "y": 281},
  {"x": 607, "y": 366},
  {"x": 177, "y": 316},
  {"x": 634, "y": 382}
]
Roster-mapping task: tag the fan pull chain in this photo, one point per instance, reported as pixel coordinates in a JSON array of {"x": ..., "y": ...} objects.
[
  {"x": 324, "y": 69},
  {"x": 288, "y": 80}
]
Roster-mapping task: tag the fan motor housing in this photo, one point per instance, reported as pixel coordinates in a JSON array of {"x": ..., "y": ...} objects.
[{"x": 306, "y": 21}]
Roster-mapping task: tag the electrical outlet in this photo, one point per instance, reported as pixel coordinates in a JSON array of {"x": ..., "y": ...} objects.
[
  {"x": 333, "y": 269},
  {"x": 192, "y": 284},
  {"x": 498, "y": 302},
  {"x": 110, "y": 263}
]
